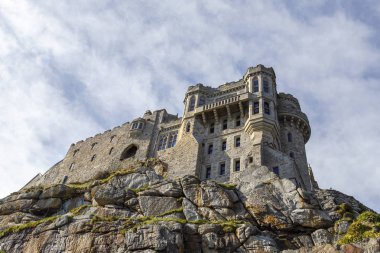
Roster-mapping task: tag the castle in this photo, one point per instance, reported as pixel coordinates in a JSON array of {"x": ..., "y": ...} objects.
[{"x": 236, "y": 126}]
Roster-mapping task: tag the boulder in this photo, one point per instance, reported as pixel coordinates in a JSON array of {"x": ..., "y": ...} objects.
[
  {"x": 58, "y": 191},
  {"x": 310, "y": 218},
  {"x": 262, "y": 244},
  {"x": 321, "y": 236},
  {"x": 154, "y": 237},
  {"x": 22, "y": 205},
  {"x": 190, "y": 210},
  {"x": 154, "y": 205},
  {"x": 46, "y": 206},
  {"x": 109, "y": 195}
]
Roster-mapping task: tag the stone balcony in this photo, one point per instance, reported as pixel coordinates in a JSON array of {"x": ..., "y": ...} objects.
[{"x": 223, "y": 103}]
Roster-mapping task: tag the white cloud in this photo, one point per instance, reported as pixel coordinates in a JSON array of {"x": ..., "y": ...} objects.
[{"x": 70, "y": 70}]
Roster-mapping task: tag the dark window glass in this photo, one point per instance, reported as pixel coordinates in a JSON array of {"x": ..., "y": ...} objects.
[
  {"x": 162, "y": 142},
  {"x": 255, "y": 85},
  {"x": 224, "y": 145},
  {"x": 212, "y": 128},
  {"x": 237, "y": 142},
  {"x": 237, "y": 165},
  {"x": 290, "y": 137},
  {"x": 201, "y": 101},
  {"x": 188, "y": 127},
  {"x": 172, "y": 140},
  {"x": 250, "y": 159},
  {"x": 266, "y": 86},
  {"x": 134, "y": 125},
  {"x": 140, "y": 125},
  {"x": 210, "y": 147},
  {"x": 237, "y": 122},
  {"x": 256, "y": 108},
  {"x": 225, "y": 124},
  {"x": 192, "y": 104},
  {"x": 266, "y": 108},
  {"x": 276, "y": 170},
  {"x": 222, "y": 169},
  {"x": 208, "y": 172},
  {"x": 291, "y": 154}
]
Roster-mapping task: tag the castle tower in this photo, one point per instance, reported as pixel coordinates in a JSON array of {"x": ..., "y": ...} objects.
[
  {"x": 262, "y": 124},
  {"x": 295, "y": 132}
]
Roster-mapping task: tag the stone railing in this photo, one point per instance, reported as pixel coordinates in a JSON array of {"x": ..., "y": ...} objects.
[{"x": 222, "y": 102}]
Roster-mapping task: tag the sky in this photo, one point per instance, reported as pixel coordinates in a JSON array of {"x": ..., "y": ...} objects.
[{"x": 71, "y": 69}]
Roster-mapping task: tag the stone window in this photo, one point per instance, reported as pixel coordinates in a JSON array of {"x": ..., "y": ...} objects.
[
  {"x": 291, "y": 155},
  {"x": 72, "y": 166},
  {"x": 237, "y": 165},
  {"x": 208, "y": 172},
  {"x": 237, "y": 121},
  {"x": 75, "y": 152},
  {"x": 192, "y": 104},
  {"x": 93, "y": 158},
  {"x": 266, "y": 86},
  {"x": 255, "y": 85},
  {"x": 112, "y": 137},
  {"x": 129, "y": 152},
  {"x": 250, "y": 159},
  {"x": 224, "y": 145},
  {"x": 162, "y": 142},
  {"x": 222, "y": 169},
  {"x": 110, "y": 152},
  {"x": 188, "y": 126},
  {"x": 276, "y": 170},
  {"x": 210, "y": 148},
  {"x": 266, "y": 108},
  {"x": 256, "y": 107},
  {"x": 140, "y": 125},
  {"x": 201, "y": 101},
  {"x": 290, "y": 137},
  {"x": 225, "y": 124},
  {"x": 172, "y": 140},
  {"x": 212, "y": 128},
  {"x": 135, "y": 125},
  {"x": 237, "y": 141},
  {"x": 93, "y": 145}
]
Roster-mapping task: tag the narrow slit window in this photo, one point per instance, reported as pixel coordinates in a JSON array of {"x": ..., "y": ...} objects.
[
  {"x": 93, "y": 158},
  {"x": 266, "y": 108},
  {"x": 237, "y": 142},
  {"x": 225, "y": 124},
  {"x": 237, "y": 165},
  {"x": 222, "y": 169},
  {"x": 266, "y": 86},
  {"x": 237, "y": 121},
  {"x": 210, "y": 148},
  {"x": 208, "y": 172},
  {"x": 212, "y": 128},
  {"x": 276, "y": 170},
  {"x": 290, "y": 137},
  {"x": 192, "y": 104},
  {"x": 110, "y": 152},
  {"x": 188, "y": 126},
  {"x": 256, "y": 108},
  {"x": 224, "y": 145},
  {"x": 255, "y": 85}
]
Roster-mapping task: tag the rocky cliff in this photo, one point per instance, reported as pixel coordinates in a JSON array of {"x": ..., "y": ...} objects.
[{"x": 138, "y": 210}]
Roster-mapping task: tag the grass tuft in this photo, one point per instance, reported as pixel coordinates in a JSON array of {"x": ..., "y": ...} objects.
[{"x": 21, "y": 227}]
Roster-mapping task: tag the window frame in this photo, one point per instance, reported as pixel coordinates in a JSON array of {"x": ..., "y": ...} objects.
[
  {"x": 222, "y": 165},
  {"x": 256, "y": 107},
  {"x": 237, "y": 141}
]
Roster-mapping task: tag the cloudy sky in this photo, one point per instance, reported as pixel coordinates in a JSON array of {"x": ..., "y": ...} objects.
[{"x": 71, "y": 69}]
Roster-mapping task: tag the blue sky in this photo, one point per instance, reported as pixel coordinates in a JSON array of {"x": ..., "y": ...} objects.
[{"x": 71, "y": 69}]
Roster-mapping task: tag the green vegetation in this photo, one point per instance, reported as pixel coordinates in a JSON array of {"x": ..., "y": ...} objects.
[
  {"x": 179, "y": 210},
  {"x": 366, "y": 225},
  {"x": 227, "y": 186},
  {"x": 81, "y": 186},
  {"x": 140, "y": 189},
  {"x": 32, "y": 224},
  {"x": 76, "y": 211}
]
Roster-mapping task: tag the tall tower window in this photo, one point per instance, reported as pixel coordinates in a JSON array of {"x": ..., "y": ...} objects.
[
  {"x": 222, "y": 169},
  {"x": 225, "y": 124},
  {"x": 208, "y": 172},
  {"x": 255, "y": 85},
  {"x": 212, "y": 128},
  {"x": 266, "y": 108},
  {"x": 256, "y": 108},
  {"x": 237, "y": 121},
  {"x": 237, "y": 165},
  {"x": 162, "y": 142},
  {"x": 192, "y": 104},
  {"x": 266, "y": 86},
  {"x": 188, "y": 127},
  {"x": 224, "y": 145},
  {"x": 290, "y": 137},
  {"x": 237, "y": 141},
  {"x": 210, "y": 148}
]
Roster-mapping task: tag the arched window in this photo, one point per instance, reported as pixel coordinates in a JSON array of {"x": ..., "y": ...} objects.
[
  {"x": 192, "y": 104},
  {"x": 266, "y": 85},
  {"x": 201, "y": 101},
  {"x": 255, "y": 84},
  {"x": 129, "y": 152},
  {"x": 188, "y": 126},
  {"x": 290, "y": 137},
  {"x": 291, "y": 155}
]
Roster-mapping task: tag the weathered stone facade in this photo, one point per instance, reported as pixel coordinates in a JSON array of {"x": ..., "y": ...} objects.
[{"x": 223, "y": 131}]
